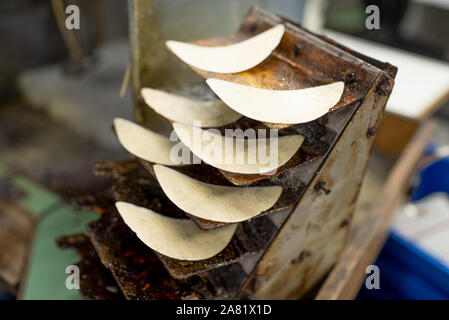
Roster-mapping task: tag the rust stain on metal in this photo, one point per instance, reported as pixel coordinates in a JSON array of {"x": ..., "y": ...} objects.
[
  {"x": 371, "y": 132},
  {"x": 301, "y": 257},
  {"x": 321, "y": 186},
  {"x": 115, "y": 168}
]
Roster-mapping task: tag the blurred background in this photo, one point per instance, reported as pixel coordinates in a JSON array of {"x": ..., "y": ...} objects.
[{"x": 60, "y": 90}]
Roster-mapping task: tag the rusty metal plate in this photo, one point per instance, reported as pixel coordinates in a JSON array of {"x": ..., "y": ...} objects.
[
  {"x": 140, "y": 188},
  {"x": 136, "y": 268},
  {"x": 99, "y": 202},
  {"x": 301, "y": 60},
  {"x": 145, "y": 193},
  {"x": 249, "y": 238},
  {"x": 116, "y": 168},
  {"x": 208, "y": 174},
  {"x": 318, "y": 140},
  {"x": 312, "y": 148},
  {"x": 112, "y": 238}
]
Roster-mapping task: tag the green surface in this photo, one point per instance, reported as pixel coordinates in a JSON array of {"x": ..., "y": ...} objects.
[
  {"x": 347, "y": 17},
  {"x": 38, "y": 200},
  {"x": 46, "y": 275}
]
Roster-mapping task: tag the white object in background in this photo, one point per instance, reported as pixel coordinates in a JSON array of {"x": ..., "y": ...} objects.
[
  {"x": 437, "y": 245},
  {"x": 421, "y": 84},
  {"x": 427, "y": 225},
  {"x": 314, "y": 15},
  {"x": 425, "y": 217},
  {"x": 443, "y": 4}
]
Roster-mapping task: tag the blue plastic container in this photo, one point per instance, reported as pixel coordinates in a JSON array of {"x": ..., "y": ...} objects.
[
  {"x": 434, "y": 178},
  {"x": 406, "y": 271}
]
